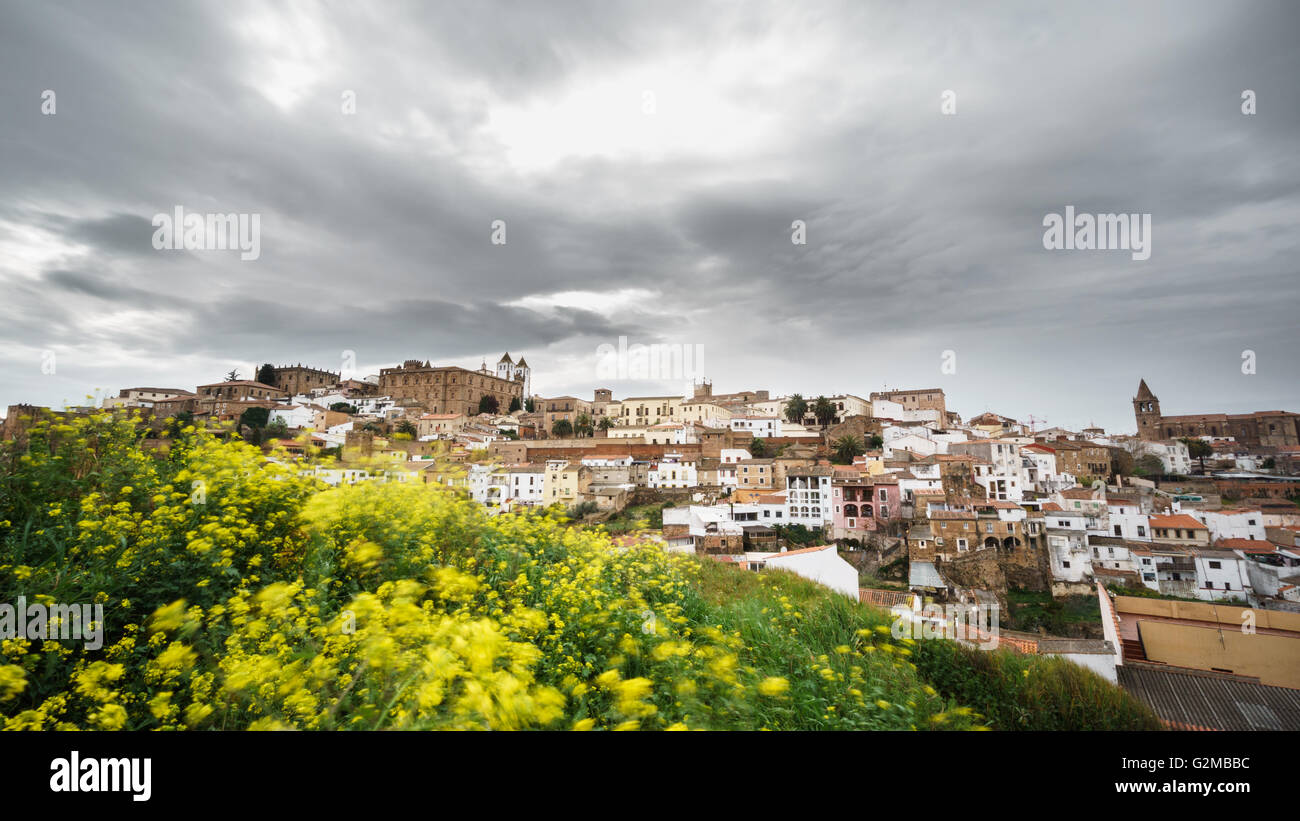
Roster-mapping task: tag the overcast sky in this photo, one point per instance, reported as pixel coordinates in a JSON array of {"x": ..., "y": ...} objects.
[{"x": 648, "y": 161}]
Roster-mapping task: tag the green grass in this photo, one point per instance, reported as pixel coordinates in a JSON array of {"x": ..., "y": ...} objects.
[
  {"x": 1030, "y": 609},
  {"x": 636, "y": 517},
  {"x": 1004, "y": 690}
]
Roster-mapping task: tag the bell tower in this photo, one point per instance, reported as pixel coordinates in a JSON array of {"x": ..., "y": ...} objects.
[{"x": 1146, "y": 408}]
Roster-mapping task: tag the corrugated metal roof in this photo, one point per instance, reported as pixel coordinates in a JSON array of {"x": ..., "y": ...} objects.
[
  {"x": 924, "y": 574},
  {"x": 1202, "y": 700}
]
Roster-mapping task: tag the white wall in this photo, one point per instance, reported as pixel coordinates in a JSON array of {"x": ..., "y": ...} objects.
[{"x": 823, "y": 566}]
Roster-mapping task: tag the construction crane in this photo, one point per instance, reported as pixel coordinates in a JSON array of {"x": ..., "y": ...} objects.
[{"x": 1032, "y": 426}]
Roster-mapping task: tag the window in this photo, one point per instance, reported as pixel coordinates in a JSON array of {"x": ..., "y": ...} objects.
[
  {"x": 1118, "y": 530},
  {"x": 1216, "y": 565}
]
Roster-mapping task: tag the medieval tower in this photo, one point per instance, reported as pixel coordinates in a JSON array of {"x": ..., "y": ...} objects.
[{"x": 1146, "y": 407}]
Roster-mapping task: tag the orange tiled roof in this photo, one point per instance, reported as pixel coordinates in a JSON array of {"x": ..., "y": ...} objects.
[
  {"x": 1247, "y": 545},
  {"x": 1177, "y": 520}
]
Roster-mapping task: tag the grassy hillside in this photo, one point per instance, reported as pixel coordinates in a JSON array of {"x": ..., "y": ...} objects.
[{"x": 238, "y": 594}]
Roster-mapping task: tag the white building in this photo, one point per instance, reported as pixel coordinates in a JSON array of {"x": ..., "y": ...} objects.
[
  {"x": 672, "y": 472},
  {"x": 294, "y": 416},
  {"x": 1229, "y": 524},
  {"x": 819, "y": 564},
  {"x": 763, "y": 427},
  {"x": 997, "y": 469},
  {"x": 1172, "y": 454},
  {"x": 1067, "y": 544},
  {"x": 489, "y": 485},
  {"x": 1038, "y": 470},
  {"x": 526, "y": 484},
  {"x": 808, "y": 496},
  {"x": 1220, "y": 574},
  {"x": 1126, "y": 520}
]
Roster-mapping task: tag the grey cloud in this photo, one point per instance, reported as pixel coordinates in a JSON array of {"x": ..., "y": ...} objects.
[{"x": 924, "y": 230}]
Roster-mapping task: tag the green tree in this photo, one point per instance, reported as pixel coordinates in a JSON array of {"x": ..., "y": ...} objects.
[
  {"x": 796, "y": 407},
  {"x": 582, "y": 425},
  {"x": 824, "y": 410},
  {"x": 488, "y": 404},
  {"x": 254, "y": 417},
  {"x": 1148, "y": 465},
  {"x": 1198, "y": 449},
  {"x": 562, "y": 428},
  {"x": 606, "y": 423},
  {"x": 514, "y": 404},
  {"x": 758, "y": 448},
  {"x": 875, "y": 442},
  {"x": 266, "y": 374},
  {"x": 405, "y": 426},
  {"x": 530, "y": 405},
  {"x": 343, "y": 407},
  {"x": 847, "y": 447},
  {"x": 233, "y": 375}
]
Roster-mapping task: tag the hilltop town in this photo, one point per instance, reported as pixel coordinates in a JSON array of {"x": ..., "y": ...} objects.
[
  {"x": 1196, "y": 506},
  {"x": 892, "y": 498}
]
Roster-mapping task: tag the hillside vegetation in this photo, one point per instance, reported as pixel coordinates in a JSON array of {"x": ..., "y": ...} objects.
[{"x": 239, "y": 594}]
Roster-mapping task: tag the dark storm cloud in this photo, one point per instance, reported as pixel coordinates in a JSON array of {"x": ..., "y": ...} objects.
[{"x": 924, "y": 230}]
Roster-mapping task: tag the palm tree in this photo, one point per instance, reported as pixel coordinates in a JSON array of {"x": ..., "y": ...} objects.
[
  {"x": 406, "y": 427},
  {"x": 562, "y": 428},
  {"x": 606, "y": 423},
  {"x": 824, "y": 410},
  {"x": 796, "y": 407},
  {"x": 847, "y": 447},
  {"x": 582, "y": 425}
]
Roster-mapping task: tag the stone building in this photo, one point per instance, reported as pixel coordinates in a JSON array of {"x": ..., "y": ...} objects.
[
  {"x": 1261, "y": 428},
  {"x": 447, "y": 389},
  {"x": 298, "y": 379},
  {"x": 240, "y": 389},
  {"x": 923, "y": 399}
]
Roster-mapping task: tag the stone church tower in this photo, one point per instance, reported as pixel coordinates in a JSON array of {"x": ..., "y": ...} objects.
[
  {"x": 519, "y": 371},
  {"x": 1146, "y": 407}
]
